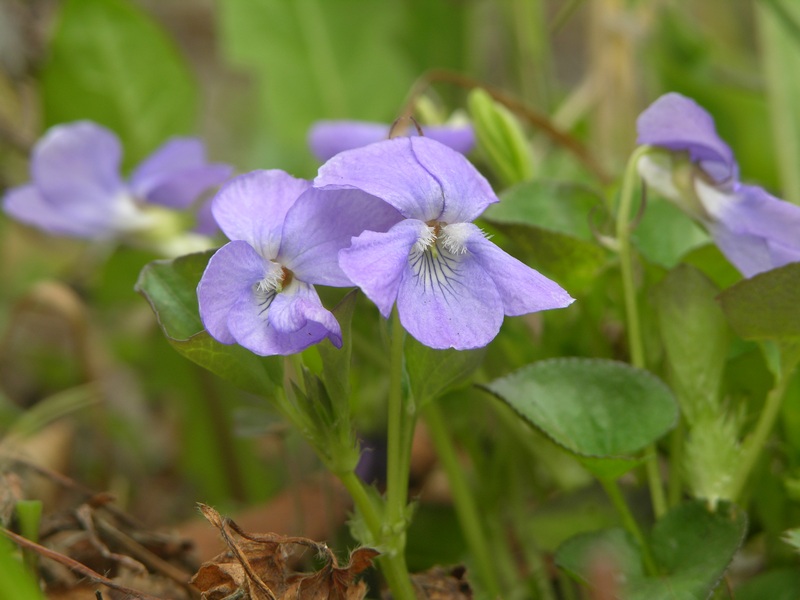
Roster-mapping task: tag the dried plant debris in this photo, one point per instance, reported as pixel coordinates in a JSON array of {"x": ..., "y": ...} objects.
[
  {"x": 443, "y": 584},
  {"x": 87, "y": 538},
  {"x": 258, "y": 567}
]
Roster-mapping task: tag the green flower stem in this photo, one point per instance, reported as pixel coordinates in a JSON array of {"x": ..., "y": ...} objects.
[
  {"x": 614, "y": 493},
  {"x": 465, "y": 506},
  {"x": 635, "y": 343},
  {"x": 753, "y": 446},
  {"x": 623, "y": 231},
  {"x": 393, "y": 566},
  {"x": 364, "y": 504},
  {"x": 527, "y": 541},
  {"x": 401, "y": 421}
]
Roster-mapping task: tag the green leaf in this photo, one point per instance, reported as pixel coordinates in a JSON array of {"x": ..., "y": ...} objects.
[
  {"x": 336, "y": 361},
  {"x": 500, "y": 137},
  {"x": 779, "y": 39},
  {"x": 593, "y": 408},
  {"x": 572, "y": 262},
  {"x": 170, "y": 288},
  {"x": 765, "y": 306},
  {"x": 691, "y": 546},
  {"x": 781, "y": 584},
  {"x": 16, "y": 581},
  {"x": 559, "y": 206},
  {"x": 314, "y": 59},
  {"x": 432, "y": 373},
  {"x": 665, "y": 234},
  {"x": 109, "y": 62},
  {"x": 695, "y": 336}
]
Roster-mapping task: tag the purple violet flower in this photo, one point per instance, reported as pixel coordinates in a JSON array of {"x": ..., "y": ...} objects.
[
  {"x": 328, "y": 138},
  {"x": 258, "y": 290},
  {"x": 451, "y": 284},
  {"x": 77, "y": 190},
  {"x": 754, "y": 230}
]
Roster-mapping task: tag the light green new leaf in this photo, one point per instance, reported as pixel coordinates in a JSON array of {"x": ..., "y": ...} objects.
[
  {"x": 501, "y": 138},
  {"x": 170, "y": 288},
  {"x": 597, "y": 409},
  {"x": 692, "y": 548},
  {"x": 111, "y": 63},
  {"x": 765, "y": 307},
  {"x": 695, "y": 337}
]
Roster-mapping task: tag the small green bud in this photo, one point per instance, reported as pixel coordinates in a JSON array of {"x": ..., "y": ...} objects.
[{"x": 500, "y": 138}]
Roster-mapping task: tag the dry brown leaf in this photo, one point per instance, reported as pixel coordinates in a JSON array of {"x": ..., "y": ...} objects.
[
  {"x": 257, "y": 565},
  {"x": 443, "y": 584}
]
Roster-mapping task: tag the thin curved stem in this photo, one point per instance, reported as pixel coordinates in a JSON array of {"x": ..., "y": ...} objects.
[
  {"x": 766, "y": 421},
  {"x": 629, "y": 522},
  {"x": 465, "y": 506},
  {"x": 636, "y": 346}
]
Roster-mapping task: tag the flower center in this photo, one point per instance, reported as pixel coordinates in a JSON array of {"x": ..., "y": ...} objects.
[
  {"x": 439, "y": 235},
  {"x": 436, "y": 255},
  {"x": 273, "y": 283}
]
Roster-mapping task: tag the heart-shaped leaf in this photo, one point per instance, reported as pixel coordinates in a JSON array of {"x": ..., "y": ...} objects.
[
  {"x": 765, "y": 306},
  {"x": 170, "y": 288},
  {"x": 594, "y": 408},
  {"x": 692, "y": 548}
]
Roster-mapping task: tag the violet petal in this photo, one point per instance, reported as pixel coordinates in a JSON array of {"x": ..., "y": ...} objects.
[
  {"x": 678, "y": 123},
  {"x": 449, "y": 301},
  {"x": 522, "y": 289},
  {"x": 421, "y": 178},
  {"x": 252, "y": 208},
  {"x": 322, "y": 222},
  {"x": 176, "y": 174},
  {"x": 230, "y": 276},
  {"x": 76, "y": 167},
  {"x": 748, "y": 253},
  {"x": 294, "y": 321},
  {"x": 375, "y": 262},
  {"x": 328, "y": 138},
  {"x": 26, "y": 205}
]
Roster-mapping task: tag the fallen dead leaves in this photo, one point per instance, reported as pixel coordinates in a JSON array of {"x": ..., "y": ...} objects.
[
  {"x": 93, "y": 547},
  {"x": 257, "y": 567}
]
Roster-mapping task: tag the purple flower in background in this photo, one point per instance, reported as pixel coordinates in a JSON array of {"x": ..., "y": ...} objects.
[
  {"x": 451, "y": 284},
  {"x": 328, "y": 138},
  {"x": 754, "y": 230},
  {"x": 258, "y": 290},
  {"x": 76, "y": 188}
]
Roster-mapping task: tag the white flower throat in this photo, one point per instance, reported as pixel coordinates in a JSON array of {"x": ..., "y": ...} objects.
[
  {"x": 438, "y": 235},
  {"x": 436, "y": 255},
  {"x": 275, "y": 280}
]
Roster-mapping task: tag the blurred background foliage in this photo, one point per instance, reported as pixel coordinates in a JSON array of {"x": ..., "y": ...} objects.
[{"x": 250, "y": 77}]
